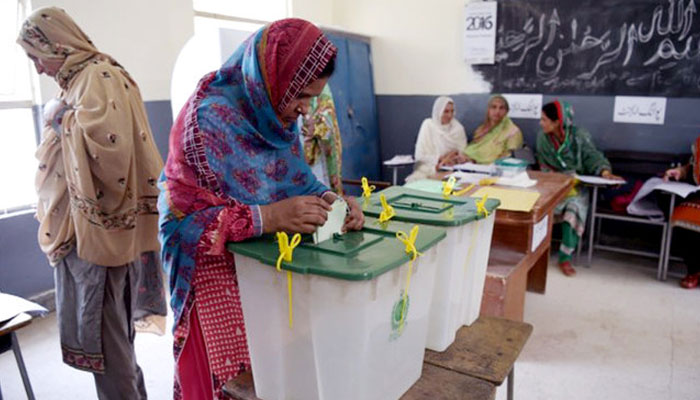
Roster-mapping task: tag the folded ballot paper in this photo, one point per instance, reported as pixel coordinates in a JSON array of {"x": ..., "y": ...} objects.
[{"x": 334, "y": 223}]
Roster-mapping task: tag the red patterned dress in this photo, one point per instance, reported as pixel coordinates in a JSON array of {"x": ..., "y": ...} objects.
[{"x": 230, "y": 153}]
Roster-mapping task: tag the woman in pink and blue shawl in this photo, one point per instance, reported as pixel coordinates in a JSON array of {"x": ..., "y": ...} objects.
[{"x": 236, "y": 170}]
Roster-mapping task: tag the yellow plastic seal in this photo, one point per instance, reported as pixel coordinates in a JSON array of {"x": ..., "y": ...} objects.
[
  {"x": 448, "y": 186},
  {"x": 464, "y": 191},
  {"x": 410, "y": 242},
  {"x": 387, "y": 211},
  {"x": 488, "y": 181},
  {"x": 366, "y": 188},
  {"x": 481, "y": 206},
  {"x": 286, "y": 250}
]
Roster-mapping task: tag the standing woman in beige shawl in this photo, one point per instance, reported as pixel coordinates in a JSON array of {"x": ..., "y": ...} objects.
[
  {"x": 96, "y": 183},
  {"x": 440, "y": 138}
]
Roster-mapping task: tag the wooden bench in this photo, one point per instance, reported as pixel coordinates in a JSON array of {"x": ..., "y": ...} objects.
[
  {"x": 434, "y": 383},
  {"x": 486, "y": 350},
  {"x": 481, "y": 358}
]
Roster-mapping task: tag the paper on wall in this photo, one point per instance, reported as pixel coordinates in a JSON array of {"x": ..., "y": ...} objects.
[
  {"x": 480, "y": 32},
  {"x": 639, "y": 110},
  {"x": 524, "y": 105},
  {"x": 539, "y": 232}
]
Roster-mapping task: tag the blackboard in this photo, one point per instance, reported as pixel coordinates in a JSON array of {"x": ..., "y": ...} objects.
[{"x": 597, "y": 47}]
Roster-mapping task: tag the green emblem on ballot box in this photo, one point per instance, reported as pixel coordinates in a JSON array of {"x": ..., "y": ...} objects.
[{"x": 396, "y": 324}]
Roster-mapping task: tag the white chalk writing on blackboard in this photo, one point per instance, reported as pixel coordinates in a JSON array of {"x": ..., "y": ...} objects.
[{"x": 593, "y": 49}]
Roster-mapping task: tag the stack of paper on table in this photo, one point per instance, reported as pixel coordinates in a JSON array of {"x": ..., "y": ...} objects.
[
  {"x": 511, "y": 199},
  {"x": 469, "y": 177},
  {"x": 484, "y": 169},
  {"x": 680, "y": 188},
  {"x": 645, "y": 205},
  {"x": 597, "y": 180},
  {"x": 11, "y": 306},
  {"x": 401, "y": 159},
  {"x": 521, "y": 180}
]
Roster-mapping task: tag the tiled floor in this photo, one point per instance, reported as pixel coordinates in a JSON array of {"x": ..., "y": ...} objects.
[
  {"x": 51, "y": 379},
  {"x": 612, "y": 332}
]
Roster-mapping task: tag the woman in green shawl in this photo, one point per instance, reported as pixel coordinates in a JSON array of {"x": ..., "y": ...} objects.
[
  {"x": 564, "y": 147},
  {"x": 496, "y": 137}
]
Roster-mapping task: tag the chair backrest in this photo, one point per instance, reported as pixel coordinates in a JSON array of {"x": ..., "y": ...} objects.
[
  {"x": 357, "y": 182},
  {"x": 5, "y": 344},
  {"x": 525, "y": 153},
  {"x": 643, "y": 163}
]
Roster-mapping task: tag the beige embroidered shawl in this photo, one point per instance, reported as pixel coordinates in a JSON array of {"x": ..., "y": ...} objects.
[{"x": 98, "y": 163}]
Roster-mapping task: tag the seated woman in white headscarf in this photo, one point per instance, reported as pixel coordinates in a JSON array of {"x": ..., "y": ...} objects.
[{"x": 438, "y": 137}]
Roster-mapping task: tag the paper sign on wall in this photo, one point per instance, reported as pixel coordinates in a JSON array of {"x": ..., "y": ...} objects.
[
  {"x": 524, "y": 105},
  {"x": 640, "y": 110},
  {"x": 480, "y": 32},
  {"x": 539, "y": 232}
]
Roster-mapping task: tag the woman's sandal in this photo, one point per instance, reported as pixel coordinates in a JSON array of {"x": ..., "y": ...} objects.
[
  {"x": 567, "y": 269},
  {"x": 690, "y": 281}
]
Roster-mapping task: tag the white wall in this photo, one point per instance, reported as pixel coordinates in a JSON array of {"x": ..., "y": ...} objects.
[
  {"x": 144, "y": 36},
  {"x": 319, "y": 12},
  {"x": 416, "y": 44}
]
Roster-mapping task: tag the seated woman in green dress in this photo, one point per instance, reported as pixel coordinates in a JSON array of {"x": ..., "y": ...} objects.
[
  {"x": 496, "y": 137},
  {"x": 565, "y": 147}
]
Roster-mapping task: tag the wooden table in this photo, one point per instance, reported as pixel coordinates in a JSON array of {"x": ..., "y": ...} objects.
[
  {"x": 506, "y": 283},
  {"x": 9, "y": 328},
  {"x": 485, "y": 350},
  {"x": 514, "y": 229}
]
